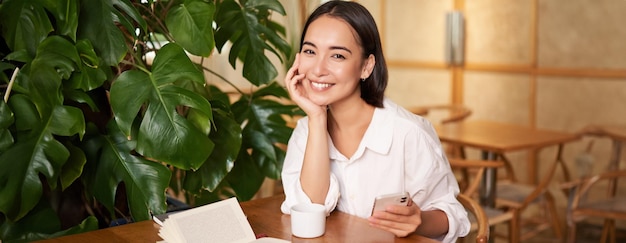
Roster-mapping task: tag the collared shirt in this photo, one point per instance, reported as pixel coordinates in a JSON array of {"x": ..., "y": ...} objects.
[{"x": 399, "y": 152}]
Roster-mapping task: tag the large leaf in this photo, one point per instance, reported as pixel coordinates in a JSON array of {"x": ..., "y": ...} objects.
[
  {"x": 98, "y": 26},
  {"x": 129, "y": 16},
  {"x": 265, "y": 128},
  {"x": 6, "y": 119},
  {"x": 41, "y": 223},
  {"x": 35, "y": 152},
  {"x": 164, "y": 134},
  {"x": 90, "y": 73},
  {"x": 241, "y": 26},
  {"x": 245, "y": 168},
  {"x": 227, "y": 138},
  {"x": 40, "y": 117},
  {"x": 25, "y": 24},
  {"x": 145, "y": 181},
  {"x": 190, "y": 25},
  {"x": 65, "y": 16}
]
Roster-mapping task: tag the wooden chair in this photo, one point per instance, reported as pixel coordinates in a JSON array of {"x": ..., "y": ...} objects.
[
  {"x": 610, "y": 207},
  {"x": 442, "y": 113},
  {"x": 494, "y": 216},
  {"x": 477, "y": 215},
  {"x": 516, "y": 196}
]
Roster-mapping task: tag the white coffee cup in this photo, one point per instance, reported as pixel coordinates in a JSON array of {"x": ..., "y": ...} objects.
[{"x": 308, "y": 220}]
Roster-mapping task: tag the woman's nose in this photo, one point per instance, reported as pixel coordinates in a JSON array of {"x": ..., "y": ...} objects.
[{"x": 319, "y": 67}]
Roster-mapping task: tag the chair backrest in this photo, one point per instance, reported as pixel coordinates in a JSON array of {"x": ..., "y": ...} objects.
[
  {"x": 442, "y": 113},
  {"x": 478, "y": 167},
  {"x": 472, "y": 206}
]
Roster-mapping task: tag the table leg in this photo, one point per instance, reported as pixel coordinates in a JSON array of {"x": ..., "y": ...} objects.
[{"x": 487, "y": 190}]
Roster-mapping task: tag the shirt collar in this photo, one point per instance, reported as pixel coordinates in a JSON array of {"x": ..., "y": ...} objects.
[
  {"x": 378, "y": 136},
  {"x": 380, "y": 131}
]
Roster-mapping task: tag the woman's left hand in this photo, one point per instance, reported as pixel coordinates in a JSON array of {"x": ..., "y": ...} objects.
[{"x": 399, "y": 220}]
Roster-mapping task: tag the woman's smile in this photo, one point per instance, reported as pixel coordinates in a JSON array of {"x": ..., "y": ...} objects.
[{"x": 320, "y": 86}]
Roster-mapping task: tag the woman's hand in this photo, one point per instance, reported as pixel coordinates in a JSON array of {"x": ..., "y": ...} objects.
[
  {"x": 405, "y": 220},
  {"x": 295, "y": 87},
  {"x": 397, "y": 219}
]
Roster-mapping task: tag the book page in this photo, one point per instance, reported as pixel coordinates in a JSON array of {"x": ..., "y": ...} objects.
[{"x": 222, "y": 221}]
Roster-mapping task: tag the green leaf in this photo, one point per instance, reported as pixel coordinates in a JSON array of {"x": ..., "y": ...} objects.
[
  {"x": 6, "y": 120},
  {"x": 25, "y": 24},
  {"x": 57, "y": 53},
  {"x": 245, "y": 168},
  {"x": 67, "y": 121},
  {"x": 90, "y": 74},
  {"x": 190, "y": 25},
  {"x": 98, "y": 25},
  {"x": 227, "y": 139},
  {"x": 164, "y": 135},
  {"x": 244, "y": 28},
  {"x": 40, "y": 224},
  {"x": 73, "y": 169},
  {"x": 31, "y": 223},
  {"x": 145, "y": 180},
  {"x": 265, "y": 127},
  {"x": 36, "y": 152},
  {"x": 265, "y": 5},
  {"x": 270, "y": 168},
  {"x": 127, "y": 14},
  {"x": 65, "y": 15}
]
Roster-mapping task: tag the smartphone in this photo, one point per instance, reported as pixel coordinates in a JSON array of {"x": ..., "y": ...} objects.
[{"x": 383, "y": 201}]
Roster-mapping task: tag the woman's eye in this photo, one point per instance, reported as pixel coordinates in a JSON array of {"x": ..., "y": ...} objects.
[
  {"x": 308, "y": 52},
  {"x": 338, "y": 56}
]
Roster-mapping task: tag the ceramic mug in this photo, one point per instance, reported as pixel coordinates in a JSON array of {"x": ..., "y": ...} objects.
[{"x": 308, "y": 220}]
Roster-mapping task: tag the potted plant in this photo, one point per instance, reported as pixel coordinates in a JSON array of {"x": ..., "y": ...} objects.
[{"x": 93, "y": 130}]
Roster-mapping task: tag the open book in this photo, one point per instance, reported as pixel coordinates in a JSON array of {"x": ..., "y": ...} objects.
[{"x": 222, "y": 221}]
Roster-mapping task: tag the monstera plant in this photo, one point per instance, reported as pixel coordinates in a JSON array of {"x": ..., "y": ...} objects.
[{"x": 95, "y": 128}]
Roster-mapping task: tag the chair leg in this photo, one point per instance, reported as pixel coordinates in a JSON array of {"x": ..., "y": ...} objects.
[
  {"x": 571, "y": 233},
  {"x": 556, "y": 223},
  {"x": 608, "y": 231},
  {"x": 514, "y": 228},
  {"x": 571, "y": 227}
]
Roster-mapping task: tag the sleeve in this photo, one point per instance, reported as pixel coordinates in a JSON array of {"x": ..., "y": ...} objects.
[
  {"x": 291, "y": 173},
  {"x": 438, "y": 186}
]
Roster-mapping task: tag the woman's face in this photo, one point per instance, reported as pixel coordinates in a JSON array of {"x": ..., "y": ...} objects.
[{"x": 332, "y": 61}]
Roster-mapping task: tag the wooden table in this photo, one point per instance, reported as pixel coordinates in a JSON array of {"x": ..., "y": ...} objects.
[
  {"x": 265, "y": 218},
  {"x": 494, "y": 139}
]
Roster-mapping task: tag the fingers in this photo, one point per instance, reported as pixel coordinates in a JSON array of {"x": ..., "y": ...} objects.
[
  {"x": 400, "y": 229},
  {"x": 399, "y": 220},
  {"x": 293, "y": 71},
  {"x": 292, "y": 77},
  {"x": 397, "y": 232}
]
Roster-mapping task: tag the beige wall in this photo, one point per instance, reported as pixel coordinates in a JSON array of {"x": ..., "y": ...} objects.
[{"x": 553, "y": 64}]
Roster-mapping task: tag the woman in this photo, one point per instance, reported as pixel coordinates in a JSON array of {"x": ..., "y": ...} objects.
[{"x": 355, "y": 144}]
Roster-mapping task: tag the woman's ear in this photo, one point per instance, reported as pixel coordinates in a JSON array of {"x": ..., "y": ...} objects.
[{"x": 368, "y": 66}]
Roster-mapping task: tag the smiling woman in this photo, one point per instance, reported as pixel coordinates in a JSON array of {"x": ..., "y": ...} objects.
[{"x": 354, "y": 144}]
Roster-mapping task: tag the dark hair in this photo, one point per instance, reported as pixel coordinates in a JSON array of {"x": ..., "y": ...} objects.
[{"x": 357, "y": 16}]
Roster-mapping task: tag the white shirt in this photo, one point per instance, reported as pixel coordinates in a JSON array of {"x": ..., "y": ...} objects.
[{"x": 399, "y": 151}]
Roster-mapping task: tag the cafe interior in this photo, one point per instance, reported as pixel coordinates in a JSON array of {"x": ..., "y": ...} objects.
[
  {"x": 528, "y": 97},
  {"x": 543, "y": 65}
]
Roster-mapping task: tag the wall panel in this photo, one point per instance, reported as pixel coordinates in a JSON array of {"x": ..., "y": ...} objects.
[
  {"x": 414, "y": 30},
  {"x": 582, "y": 34},
  {"x": 499, "y": 31}
]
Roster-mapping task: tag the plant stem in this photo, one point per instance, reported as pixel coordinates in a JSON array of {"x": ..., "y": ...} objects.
[
  {"x": 222, "y": 78},
  {"x": 6, "y": 95}
]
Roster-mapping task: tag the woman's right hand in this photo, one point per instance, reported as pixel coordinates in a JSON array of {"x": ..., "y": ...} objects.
[{"x": 295, "y": 87}]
